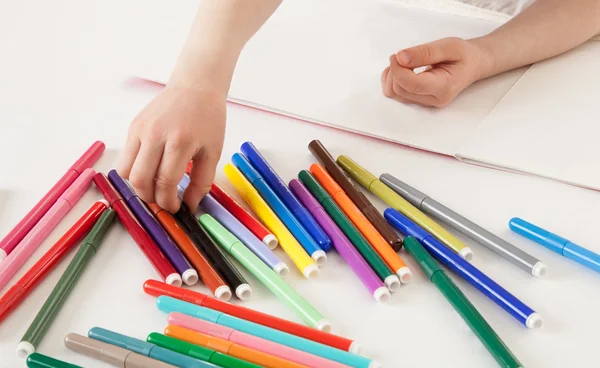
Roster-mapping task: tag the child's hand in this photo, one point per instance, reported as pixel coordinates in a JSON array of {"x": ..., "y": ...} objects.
[
  {"x": 179, "y": 125},
  {"x": 452, "y": 64}
]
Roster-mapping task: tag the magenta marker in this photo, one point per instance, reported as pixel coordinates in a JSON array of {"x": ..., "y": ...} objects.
[{"x": 341, "y": 243}]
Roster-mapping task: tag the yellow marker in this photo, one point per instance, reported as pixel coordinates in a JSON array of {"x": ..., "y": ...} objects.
[
  {"x": 290, "y": 245},
  {"x": 377, "y": 187}
]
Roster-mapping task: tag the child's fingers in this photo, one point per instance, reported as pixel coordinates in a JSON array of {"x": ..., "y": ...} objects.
[
  {"x": 132, "y": 148},
  {"x": 387, "y": 81},
  {"x": 424, "y": 100},
  {"x": 424, "y": 83},
  {"x": 145, "y": 168},
  {"x": 201, "y": 178},
  {"x": 446, "y": 49},
  {"x": 170, "y": 171}
]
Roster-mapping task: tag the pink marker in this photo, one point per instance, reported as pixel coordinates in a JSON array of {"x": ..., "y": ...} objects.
[
  {"x": 250, "y": 341},
  {"x": 18, "y": 233},
  {"x": 44, "y": 227}
]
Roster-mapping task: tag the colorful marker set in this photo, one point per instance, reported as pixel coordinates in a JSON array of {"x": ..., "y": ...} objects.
[
  {"x": 322, "y": 209},
  {"x": 205, "y": 332}
]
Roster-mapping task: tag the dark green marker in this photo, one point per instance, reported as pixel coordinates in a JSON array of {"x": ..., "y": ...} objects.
[
  {"x": 37, "y": 360},
  {"x": 198, "y": 352},
  {"x": 67, "y": 282},
  {"x": 361, "y": 244},
  {"x": 461, "y": 304}
]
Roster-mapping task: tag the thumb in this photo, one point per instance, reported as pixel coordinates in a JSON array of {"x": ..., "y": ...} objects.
[
  {"x": 446, "y": 49},
  {"x": 201, "y": 178}
]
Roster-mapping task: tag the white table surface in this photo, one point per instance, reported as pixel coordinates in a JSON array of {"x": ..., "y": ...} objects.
[{"x": 63, "y": 85}]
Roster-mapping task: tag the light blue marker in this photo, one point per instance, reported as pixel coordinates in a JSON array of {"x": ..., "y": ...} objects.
[
  {"x": 556, "y": 243},
  {"x": 147, "y": 349},
  {"x": 170, "y": 305},
  {"x": 284, "y": 214}
]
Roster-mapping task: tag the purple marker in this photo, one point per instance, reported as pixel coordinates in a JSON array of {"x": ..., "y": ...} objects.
[
  {"x": 212, "y": 206},
  {"x": 341, "y": 243},
  {"x": 153, "y": 227}
]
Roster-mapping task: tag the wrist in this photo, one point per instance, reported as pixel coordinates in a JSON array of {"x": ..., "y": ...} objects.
[
  {"x": 486, "y": 58},
  {"x": 205, "y": 70}
]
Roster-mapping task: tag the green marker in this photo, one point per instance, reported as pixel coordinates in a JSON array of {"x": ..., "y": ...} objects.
[
  {"x": 67, "y": 282},
  {"x": 461, "y": 304},
  {"x": 361, "y": 244},
  {"x": 198, "y": 352},
  {"x": 37, "y": 360},
  {"x": 264, "y": 273}
]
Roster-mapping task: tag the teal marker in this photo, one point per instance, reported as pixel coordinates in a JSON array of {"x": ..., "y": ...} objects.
[
  {"x": 265, "y": 274},
  {"x": 169, "y": 305},
  {"x": 147, "y": 349}
]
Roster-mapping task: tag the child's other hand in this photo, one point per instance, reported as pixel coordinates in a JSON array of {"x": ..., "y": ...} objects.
[
  {"x": 179, "y": 125},
  {"x": 452, "y": 64}
]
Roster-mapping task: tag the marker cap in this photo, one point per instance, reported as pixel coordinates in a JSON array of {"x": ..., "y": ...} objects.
[
  {"x": 24, "y": 349},
  {"x": 418, "y": 252},
  {"x": 79, "y": 187},
  {"x": 185, "y": 182},
  {"x": 538, "y": 235},
  {"x": 169, "y": 305},
  {"x": 89, "y": 157},
  {"x": 325, "y": 179},
  {"x": 106, "y": 188},
  {"x": 122, "y": 341},
  {"x": 121, "y": 185},
  {"x": 313, "y": 185},
  {"x": 158, "y": 288},
  {"x": 364, "y": 177},
  {"x": 404, "y": 224},
  {"x": 242, "y": 163},
  {"x": 110, "y": 354},
  {"x": 409, "y": 193}
]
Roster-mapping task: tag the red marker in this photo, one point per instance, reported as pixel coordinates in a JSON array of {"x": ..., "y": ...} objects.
[
  {"x": 14, "y": 237},
  {"x": 137, "y": 232},
  {"x": 18, "y": 292},
  {"x": 156, "y": 289},
  {"x": 243, "y": 216}
]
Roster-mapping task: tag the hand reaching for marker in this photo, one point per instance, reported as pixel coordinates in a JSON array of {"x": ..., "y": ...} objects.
[
  {"x": 179, "y": 125},
  {"x": 452, "y": 64}
]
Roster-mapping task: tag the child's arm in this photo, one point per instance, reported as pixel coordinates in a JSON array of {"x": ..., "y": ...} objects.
[
  {"x": 546, "y": 29},
  {"x": 187, "y": 119}
]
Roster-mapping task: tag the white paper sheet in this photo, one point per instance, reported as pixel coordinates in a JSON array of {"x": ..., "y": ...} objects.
[
  {"x": 549, "y": 123},
  {"x": 321, "y": 61}
]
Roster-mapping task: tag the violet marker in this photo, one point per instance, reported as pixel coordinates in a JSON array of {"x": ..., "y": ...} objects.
[
  {"x": 341, "y": 243},
  {"x": 153, "y": 227},
  {"x": 216, "y": 209}
]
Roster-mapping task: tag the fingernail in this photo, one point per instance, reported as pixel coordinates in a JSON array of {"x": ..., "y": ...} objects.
[{"x": 404, "y": 57}]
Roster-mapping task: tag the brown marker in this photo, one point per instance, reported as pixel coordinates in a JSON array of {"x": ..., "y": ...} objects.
[
  {"x": 113, "y": 355},
  {"x": 355, "y": 194}
]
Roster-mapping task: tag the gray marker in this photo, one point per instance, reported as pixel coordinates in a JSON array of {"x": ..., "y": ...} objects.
[
  {"x": 466, "y": 227},
  {"x": 113, "y": 355}
]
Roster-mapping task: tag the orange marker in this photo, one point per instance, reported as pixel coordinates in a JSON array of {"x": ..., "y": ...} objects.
[
  {"x": 211, "y": 278},
  {"x": 377, "y": 241},
  {"x": 230, "y": 348}
]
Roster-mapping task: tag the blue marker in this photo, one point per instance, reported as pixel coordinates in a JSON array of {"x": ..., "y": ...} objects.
[
  {"x": 467, "y": 271},
  {"x": 147, "y": 349},
  {"x": 170, "y": 305},
  {"x": 300, "y": 212},
  {"x": 556, "y": 243},
  {"x": 288, "y": 219}
]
